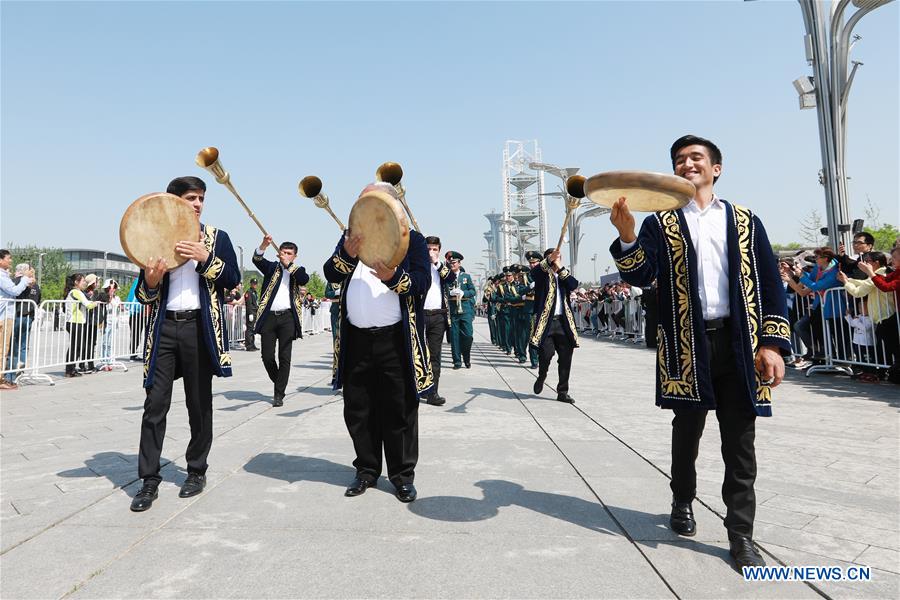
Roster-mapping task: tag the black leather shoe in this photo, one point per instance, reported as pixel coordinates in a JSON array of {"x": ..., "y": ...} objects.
[
  {"x": 358, "y": 487},
  {"x": 456, "y": 367},
  {"x": 682, "y": 519},
  {"x": 278, "y": 400},
  {"x": 145, "y": 497},
  {"x": 468, "y": 365},
  {"x": 436, "y": 400},
  {"x": 406, "y": 492},
  {"x": 744, "y": 552},
  {"x": 565, "y": 398},
  {"x": 539, "y": 384},
  {"x": 192, "y": 486}
]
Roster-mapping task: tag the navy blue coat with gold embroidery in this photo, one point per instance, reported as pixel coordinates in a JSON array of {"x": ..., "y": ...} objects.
[
  {"x": 272, "y": 273},
  {"x": 411, "y": 282},
  {"x": 755, "y": 296},
  {"x": 218, "y": 275},
  {"x": 545, "y": 291}
]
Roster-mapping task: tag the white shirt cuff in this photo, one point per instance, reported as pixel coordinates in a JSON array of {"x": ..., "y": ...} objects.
[{"x": 626, "y": 247}]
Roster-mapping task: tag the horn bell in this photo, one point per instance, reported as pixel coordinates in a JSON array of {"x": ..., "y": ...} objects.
[
  {"x": 389, "y": 172},
  {"x": 575, "y": 186},
  {"x": 310, "y": 186},
  {"x": 208, "y": 158}
]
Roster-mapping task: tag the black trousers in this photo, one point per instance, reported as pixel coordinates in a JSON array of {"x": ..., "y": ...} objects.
[
  {"x": 737, "y": 429},
  {"x": 249, "y": 330},
  {"x": 435, "y": 328},
  {"x": 278, "y": 327},
  {"x": 556, "y": 342},
  {"x": 135, "y": 323},
  {"x": 380, "y": 406},
  {"x": 181, "y": 349}
]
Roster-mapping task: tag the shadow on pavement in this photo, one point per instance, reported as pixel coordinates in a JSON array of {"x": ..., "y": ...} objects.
[
  {"x": 291, "y": 468},
  {"x": 120, "y": 469}
]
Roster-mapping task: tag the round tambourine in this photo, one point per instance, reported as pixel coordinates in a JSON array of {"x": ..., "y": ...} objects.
[
  {"x": 380, "y": 220},
  {"x": 644, "y": 191},
  {"x": 153, "y": 224}
]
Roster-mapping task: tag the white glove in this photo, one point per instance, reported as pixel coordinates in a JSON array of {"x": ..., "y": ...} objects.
[{"x": 456, "y": 292}]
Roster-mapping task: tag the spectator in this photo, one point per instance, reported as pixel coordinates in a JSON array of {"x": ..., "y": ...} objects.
[
  {"x": 77, "y": 308},
  {"x": 863, "y": 242},
  {"x": 92, "y": 328},
  {"x": 881, "y": 307},
  {"x": 831, "y": 306},
  {"x": 863, "y": 342},
  {"x": 24, "y": 316},
  {"x": 108, "y": 320},
  {"x": 8, "y": 292},
  {"x": 135, "y": 320},
  {"x": 888, "y": 283}
]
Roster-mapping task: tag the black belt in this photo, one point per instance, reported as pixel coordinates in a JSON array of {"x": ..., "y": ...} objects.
[
  {"x": 716, "y": 324},
  {"x": 182, "y": 315},
  {"x": 376, "y": 330},
  {"x": 280, "y": 312},
  {"x": 435, "y": 311}
]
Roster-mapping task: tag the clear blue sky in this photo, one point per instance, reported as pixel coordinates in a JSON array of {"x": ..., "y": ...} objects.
[{"x": 104, "y": 102}]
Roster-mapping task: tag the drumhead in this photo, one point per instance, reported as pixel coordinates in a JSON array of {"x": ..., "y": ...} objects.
[
  {"x": 153, "y": 224},
  {"x": 379, "y": 218},
  {"x": 644, "y": 191}
]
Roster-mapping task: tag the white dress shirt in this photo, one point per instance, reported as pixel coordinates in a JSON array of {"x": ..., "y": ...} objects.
[
  {"x": 282, "y": 299},
  {"x": 433, "y": 297},
  {"x": 370, "y": 303},
  {"x": 184, "y": 287},
  {"x": 709, "y": 237},
  {"x": 557, "y": 310}
]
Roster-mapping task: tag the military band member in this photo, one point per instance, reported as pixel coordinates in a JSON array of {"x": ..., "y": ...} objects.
[
  {"x": 489, "y": 308},
  {"x": 518, "y": 319},
  {"x": 186, "y": 337},
  {"x": 437, "y": 321},
  {"x": 251, "y": 305},
  {"x": 504, "y": 296},
  {"x": 554, "y": 330},
  {"x": 723, "y": 328},
  {"x": 333, "y": 293},
  {"x": 533, "y": 257},
  {"x": 382, "y": 362},
  {"x": 462, "y": 312},
  {"x": 279, "y": 316}
]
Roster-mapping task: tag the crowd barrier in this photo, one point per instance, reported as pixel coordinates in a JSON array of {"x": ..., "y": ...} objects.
[
  {"x": 840, "y": 339},
  {"x": 71, "y": 336}
]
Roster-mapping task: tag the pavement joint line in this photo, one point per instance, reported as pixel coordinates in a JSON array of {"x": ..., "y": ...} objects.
[
  {"x": 649, "y": 462},
  {"x": 574, "y": 468},
  {"x": 162, "y": 465},
  {"x": 188, "y": 504}
]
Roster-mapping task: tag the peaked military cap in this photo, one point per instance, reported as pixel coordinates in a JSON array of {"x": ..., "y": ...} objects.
[
  {"x": 453, "y": 255},
  {"x": 533, "y": 255}
]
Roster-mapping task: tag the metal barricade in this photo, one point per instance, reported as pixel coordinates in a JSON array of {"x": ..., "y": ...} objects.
[
  {"x": 235, "y": 325},
  {"x": 93, "y": 336},
  {"x": 16, "y": 337}
]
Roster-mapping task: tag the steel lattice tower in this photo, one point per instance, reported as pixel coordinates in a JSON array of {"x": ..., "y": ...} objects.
[{"x": 523, "y": 202}]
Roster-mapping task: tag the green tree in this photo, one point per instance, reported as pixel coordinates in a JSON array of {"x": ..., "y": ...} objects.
[
  {"x": 787, "y": 247},
  {"x": 54, "y": 271},
  {"x": 885, "y": 236},
  {"x": 316, "y": 285}
]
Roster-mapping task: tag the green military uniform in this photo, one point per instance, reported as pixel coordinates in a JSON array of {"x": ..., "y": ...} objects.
[
  {"x": 489, "y": 310},
  {"x": 504, "y": 316},
  {"x": 461, "y": 307},
  {"x": 518, "y": 318},
  {"x": 533, "y": 352}
]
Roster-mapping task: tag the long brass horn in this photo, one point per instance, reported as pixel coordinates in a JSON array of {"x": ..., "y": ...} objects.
[
  {"x": 574, "y": 194},
  {"x": 208, "y": 158},
  {"x": 392, "y": 173},
  {"x": 311, "y": 187}
]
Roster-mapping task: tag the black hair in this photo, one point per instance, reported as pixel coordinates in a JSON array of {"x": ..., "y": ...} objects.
[
  {"x": 433, "y": 239},
  {"x": 288, "y": 246},
  {"x": 4, "y": 253},
  {"x": 715, "y": 154},
  {"x": 878, "y": 257},
  {"x": 867, "y": 237},
  {"x": 548, "y": 252},
  {"x": 182, "y": 185}
]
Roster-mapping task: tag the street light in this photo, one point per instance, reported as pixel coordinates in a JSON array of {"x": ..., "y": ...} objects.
[
  {"x": 518, "y": 234},
  {"x": 828, "y": 42},
  {"x": 241, "y": 251},
  {"x": 40, "y": 266},
  {"x": 564, "y": 173},
  {"x": 594, "y": 260}
]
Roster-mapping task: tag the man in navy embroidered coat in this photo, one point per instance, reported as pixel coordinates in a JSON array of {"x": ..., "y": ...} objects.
[
  {"x": 186, "y": 337},
  {"x": 722, "y": 330},
  {"x": 280, "y": 310},
  {"x": 382, "y": 355},
  {"x": 554, "y": 324}
]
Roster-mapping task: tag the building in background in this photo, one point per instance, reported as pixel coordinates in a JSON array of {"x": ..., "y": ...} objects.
[
  {"x": 524, "y": 222},
  {"x": 103, "y": 264}
]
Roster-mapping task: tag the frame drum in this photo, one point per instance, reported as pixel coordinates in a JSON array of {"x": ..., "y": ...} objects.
[
  {"x": 644, "y": 191},
  {"x": 153, "y": 224},
  {"x": 380, "y": 220}
]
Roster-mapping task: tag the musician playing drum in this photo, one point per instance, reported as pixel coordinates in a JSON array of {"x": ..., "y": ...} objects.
[
  {"x": 722, "y": 328},
  {"x": 382, "y": 357},
  {"x": 186, "y": 337}
]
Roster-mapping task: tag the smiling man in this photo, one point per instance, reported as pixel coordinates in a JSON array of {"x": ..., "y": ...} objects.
[{"x": 722, "y": 330}]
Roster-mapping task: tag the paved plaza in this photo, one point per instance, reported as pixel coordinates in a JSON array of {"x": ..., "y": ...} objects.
[{"x": 519, "y": 496}]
